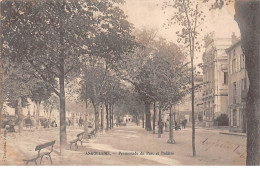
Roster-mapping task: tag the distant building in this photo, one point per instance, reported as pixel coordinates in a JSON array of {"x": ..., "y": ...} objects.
[
  {"x": 183, "y": 109},
  {"x": 215, "y": 79},
  {"x": 238, "y": 87}
]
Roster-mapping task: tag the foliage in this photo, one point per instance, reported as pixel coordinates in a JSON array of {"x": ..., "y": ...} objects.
[{"x": 222, "y": 120}]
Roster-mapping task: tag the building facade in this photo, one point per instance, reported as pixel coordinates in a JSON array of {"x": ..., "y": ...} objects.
[
  {"x": 238, "y": 87},
  {"x": 215, "y": 79}
]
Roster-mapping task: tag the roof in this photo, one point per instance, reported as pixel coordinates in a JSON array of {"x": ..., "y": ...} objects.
[{"x": 233, "y": 46}]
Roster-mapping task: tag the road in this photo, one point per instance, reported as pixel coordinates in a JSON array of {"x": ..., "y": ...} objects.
[{"x": 132, "y": 145}]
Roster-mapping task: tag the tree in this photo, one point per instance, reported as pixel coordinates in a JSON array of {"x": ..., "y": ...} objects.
[
  {"x": 92, "y": 83},
  {"x": 248, "y": 18},
  {"x": 149, "y": 70},
  {"x": 48, "y": 35},
  {"x": 19, "y": 81},
  {"x": 2, "y": 78},
  {"x": 50, "y": 104},
  {"x": 133, "y": 69},
  {"x": 54, "y": 37},
  {"x": 168, "y": 75},
  {"x": 38, "y": 94},
  {"x": 188, "y": 15}
]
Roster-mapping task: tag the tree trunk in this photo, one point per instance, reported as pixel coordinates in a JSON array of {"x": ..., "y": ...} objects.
[
  {"x": 248, "y": 19},
  {"x": 154, "y": 115},
  {"x": 160, "y": 123},
  {"x": 86, "y": 121},
  {"x": 102, "y": 118},
  {"x": 148, "y": 116},
  {"x": 171, "y": 140},
  {"x": 143, "y": 120},
  {"x": 192, "y": 104},
  {"x": 107, "y": 111},
  {"x": 20, "y": 114},
  {"x": 110, "y": 116},
  {"x": 96, "y": 109},
  {"x": 16, "y": 110},
  {"x": 2, "y": 79},
  {"x": 37, "y": 115},
  {"x": 63, "y": 136},
  {"x": 112, "y": 111},
  {"x": 174, "y": 116}
]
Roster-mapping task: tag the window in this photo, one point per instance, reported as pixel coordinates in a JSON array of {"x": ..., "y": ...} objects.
[
  {"x": 238, "y": 118},
  {"x": 234, "y": 117},
  {"x": 225, "y": 78},
  {"x": 243, "y": 84},
  {"x": 242, "y": 61},
  {"x": 234, "y": 66},
  {"x": 238, "y": 64},
  {"x": 234, "y": 92}
]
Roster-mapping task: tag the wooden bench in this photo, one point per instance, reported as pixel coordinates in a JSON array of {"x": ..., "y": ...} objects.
[
  {"x": 41, "y": 154},
  {"x": 92, "y": 134},
  {"x": 78, "y": 139},
  {"x": 28, "y": 125}
]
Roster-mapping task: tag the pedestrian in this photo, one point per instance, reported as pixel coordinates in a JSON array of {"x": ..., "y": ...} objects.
[
  {"x": 54, "y": 124},
  {"x": 162, "y": 127},
  {"x": 80, "y": 122},
  {"x": 45, "y": 123},
  {"x": 184, "y": 123},
  {"x": 167, "y": 124}
]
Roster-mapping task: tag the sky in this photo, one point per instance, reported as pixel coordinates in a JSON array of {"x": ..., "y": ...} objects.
[{"x": 148, "y": 14}]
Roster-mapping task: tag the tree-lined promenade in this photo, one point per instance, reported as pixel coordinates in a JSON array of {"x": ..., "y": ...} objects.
[{"x": 54, "y": 50}]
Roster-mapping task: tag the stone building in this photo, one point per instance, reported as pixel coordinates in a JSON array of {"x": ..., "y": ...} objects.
[
  {"x": 238, "y": 86},
  {"x": 215, "y": 79}
]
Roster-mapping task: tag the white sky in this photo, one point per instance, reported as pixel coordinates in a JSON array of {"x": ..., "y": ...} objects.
[{"x": 148, "y": 13}]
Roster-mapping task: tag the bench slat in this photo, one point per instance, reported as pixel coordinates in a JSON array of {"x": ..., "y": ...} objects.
[
  {"x": 45, "y": 145},
  {"x": 73, "y": 141},
  {"x": 78, "y": 135}
]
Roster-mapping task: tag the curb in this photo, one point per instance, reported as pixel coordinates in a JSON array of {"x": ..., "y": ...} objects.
[{"x": 235, "y": 134}]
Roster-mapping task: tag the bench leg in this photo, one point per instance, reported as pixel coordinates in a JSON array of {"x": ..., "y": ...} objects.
[
  {"x": 50, "y": 158},
  {"x": 41, "y": 160}
]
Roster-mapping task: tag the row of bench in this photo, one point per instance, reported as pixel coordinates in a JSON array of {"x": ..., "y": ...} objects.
[
  {"x": 50, "y": 145},
  {"x": 80, "y": 137}
]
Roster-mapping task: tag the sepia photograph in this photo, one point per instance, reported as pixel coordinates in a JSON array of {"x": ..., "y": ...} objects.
[{"x": 129, "y": 83}]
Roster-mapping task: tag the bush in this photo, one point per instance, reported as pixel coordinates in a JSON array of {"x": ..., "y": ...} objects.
[{"x": 222, "y": 120}]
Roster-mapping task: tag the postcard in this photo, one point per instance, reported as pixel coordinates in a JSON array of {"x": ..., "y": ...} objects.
[{"x": 129, "y": 83}]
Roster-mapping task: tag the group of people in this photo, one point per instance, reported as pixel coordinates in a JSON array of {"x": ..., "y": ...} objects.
[
  {"x": 165, "y": 125},
  {"x": 46, "y": 123},
  {"x": 80, "y": 122}
]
